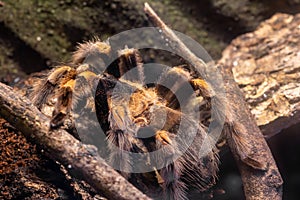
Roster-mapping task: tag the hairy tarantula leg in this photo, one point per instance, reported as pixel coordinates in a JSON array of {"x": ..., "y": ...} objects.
[
  {"x": 174, "y": 85},
  {"x": 169, "y": 178},
  {"x": 130, "y": 65},
  {"x": 231, "y": 129},
  {"x": 42, "y": 92},
  {"x": 67, "y": 99},
  {"x": 205, "y": 89},
  {"x": 64, "y": 103},
  {"x": 174, "y": 188},
  {"x": 118, "y": 142},
  {"x": 89, "y": 88},
  {"x": 94, "y": 53}
]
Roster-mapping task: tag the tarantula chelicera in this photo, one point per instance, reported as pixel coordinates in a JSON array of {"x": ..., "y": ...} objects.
[{"x": 139, "y": 117}]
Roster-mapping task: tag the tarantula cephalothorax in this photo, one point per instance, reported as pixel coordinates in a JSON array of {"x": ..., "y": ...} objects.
[{"x": 124, "y": 119}]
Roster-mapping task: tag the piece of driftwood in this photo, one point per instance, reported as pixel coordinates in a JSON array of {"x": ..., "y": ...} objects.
[
  {"x": 266, "y": 65},
  {"x": 61, "y": 146},
  {"x": 257, "y": 183},
  {"x": 261, "y": 178}
]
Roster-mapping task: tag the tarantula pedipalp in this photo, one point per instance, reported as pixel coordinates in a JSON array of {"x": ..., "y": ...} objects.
[{"x": 138, "y": 117}]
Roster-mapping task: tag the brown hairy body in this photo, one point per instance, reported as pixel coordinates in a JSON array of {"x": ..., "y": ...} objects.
[{"x": 126, "y": 113}]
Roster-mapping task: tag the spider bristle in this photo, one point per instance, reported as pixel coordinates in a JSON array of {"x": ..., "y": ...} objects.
[
  {"x": 80, "y": 93},
  {"x": 41, "y": 94},
  {"x": 170, "y": 175},
  {"x": 130, "y": 65},
  {"x": 64, "y": 103},
  {"x": 85, "y": 88},
  {"x": 202, "y": 174},
  {"x": 200, "y": 164},
  {"x": 44, "y": 89},
  {"x": 173, "y": 186},
  {"x": 92, "y": 52},
  {"x": 119, "y": 145},
  {"x": 204, "y": 87}
]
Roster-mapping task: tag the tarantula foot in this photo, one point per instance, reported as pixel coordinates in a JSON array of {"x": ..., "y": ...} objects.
[
  {"x": 163, "y": 137},
  {"x": 159, "y": 179},
  {"x": 205, "y": 88},
  {"x": 57, "y": 120}
]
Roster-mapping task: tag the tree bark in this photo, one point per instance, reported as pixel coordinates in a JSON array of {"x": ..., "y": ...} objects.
[
  {"x": 61, "y": 146},
  {"x": 257, "y": 183},
  {"x": 266, "y": 66}
]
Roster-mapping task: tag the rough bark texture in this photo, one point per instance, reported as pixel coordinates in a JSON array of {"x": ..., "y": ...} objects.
[
  {"x": 258, "y": 184},
  {"x": 266, "y": 65},
  {"x": 61, "y": 146}
]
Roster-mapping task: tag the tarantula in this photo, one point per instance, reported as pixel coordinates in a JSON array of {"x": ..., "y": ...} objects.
[{"x": 130, "y": 113}]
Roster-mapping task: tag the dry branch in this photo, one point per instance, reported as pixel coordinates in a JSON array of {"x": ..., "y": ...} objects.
[
  {"x": 61, "y": 146},
  {"x": 259, "y": 183}
]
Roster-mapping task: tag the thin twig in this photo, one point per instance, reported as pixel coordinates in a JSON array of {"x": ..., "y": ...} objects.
[
  {"x": 175, "y": 43},
  {"x": 261, "y": 178},
  {"x": 61, "y": 146}
]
